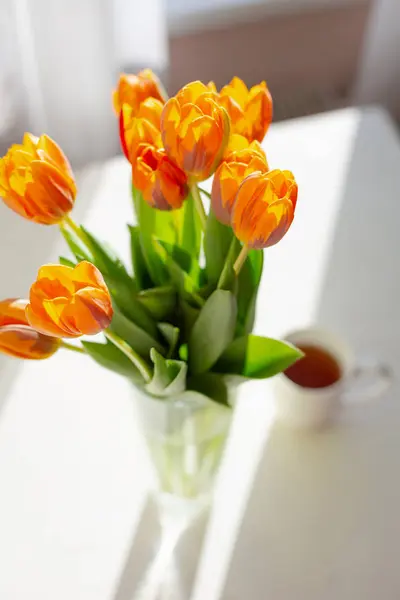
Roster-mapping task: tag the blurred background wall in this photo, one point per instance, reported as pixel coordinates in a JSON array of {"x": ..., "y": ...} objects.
[
  {"x": 59, "y": 59},
  {"x": 307, "y": 53}
]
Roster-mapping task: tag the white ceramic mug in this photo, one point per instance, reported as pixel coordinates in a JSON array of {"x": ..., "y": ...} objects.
[{"x": 303, "y": 407}]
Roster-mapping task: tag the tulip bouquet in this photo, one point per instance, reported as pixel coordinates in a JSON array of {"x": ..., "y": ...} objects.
[
  {"x": 183, "y": 319},
  {"x": 179, "y": 319}
]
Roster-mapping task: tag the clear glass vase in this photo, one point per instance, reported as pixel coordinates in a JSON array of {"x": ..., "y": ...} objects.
[{"x": 186, "y": 437}]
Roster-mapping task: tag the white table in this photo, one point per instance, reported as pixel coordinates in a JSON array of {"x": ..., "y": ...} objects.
[{"x": 296, "y": 516}]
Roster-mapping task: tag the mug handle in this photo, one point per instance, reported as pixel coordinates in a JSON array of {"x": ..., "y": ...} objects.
[{"x": 368, "y": 380}]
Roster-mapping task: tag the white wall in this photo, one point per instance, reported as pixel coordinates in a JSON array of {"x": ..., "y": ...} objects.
[{"x": 379, "y": 75}]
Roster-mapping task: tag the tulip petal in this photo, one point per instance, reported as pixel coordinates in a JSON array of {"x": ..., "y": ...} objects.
[
  {"x": 47, "y": 146},
  {"x": 135, "y": 89},
  {"x": 263, "y": 210},
  {"x": 190, "y": 92},
  {"x": 60, "y": 189},
  {"x": 60, "y": 276},
  {"x": 237, "y": 90},
  {"x": 43, "y": 325},
  {"x": 57, "y": 311},
  {"x": 12, "y": 312},
  {"x": 151, "y": 110},
  {"x": 236, "y": 143},
  {"x": 90, "y": 310},
  {"x": 21, "y": 341},
  {"x": 226, "y": 182},
  {"x": 85, "y": 274}
]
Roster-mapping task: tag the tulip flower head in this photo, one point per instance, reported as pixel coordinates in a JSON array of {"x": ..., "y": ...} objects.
[
  {"x": 229, "y": 176},
  {"x": 68, "y": 302},
  {"x": 135, "y": 89},
  {"x": 195, "y": 130},
  {"x": 264, "y": 208},
  {"x": 250, "y": 111},
  {"x": 239, "y": 148},
  {"x": 36, "y": 180},
  {"x": 142, "y": 127},
  {"x": 17, "y": 338},
  {"x": 162, "y": 182}
]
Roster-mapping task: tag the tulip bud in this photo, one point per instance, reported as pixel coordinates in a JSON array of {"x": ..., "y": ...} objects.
[
  {"x": 69, "y": 302},
  {"x": 229, "y": 176},
  {"x": 135, "y": 89},
  {"x": 250, "y": 111},
  {"x": 36, "y": 180},
  {"x": 17, "y": 338},
  {"x": 195, "y": 130},
  {"x": 162, "y": 182},
  {"x": 139, "y": 128},
  {"x": 264, "y": 208}
]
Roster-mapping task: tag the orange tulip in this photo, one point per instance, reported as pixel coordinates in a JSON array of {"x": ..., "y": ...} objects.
[
  {"x": 240, "y": 148},
  {"x": 195, "y": 130},
  {"x": 134, "y": 89},
  {"x": 250, "y": 110},
  {"x": 140, "y": 128},
  {"x": 36, "y": 180},
  {"x": 17, "y": 338},
  {"x": 69, "y": 302},
  {"x": 264, "y": 208},
  {"x": 229, "y": 176},
  {"x": 162, "y": 182}
]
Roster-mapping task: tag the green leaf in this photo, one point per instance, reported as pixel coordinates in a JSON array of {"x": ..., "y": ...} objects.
[
  {"x": 213, "y": 331},
  {"x": 128, "y": 303},
  {"x": 184, "y": 284},
  {"x": 161, "y": 224},
  {"x": 228, "y": 279},
  {"x": 110, "y": 357},
  {"x": 154, "y": 263},
  {"x": 66, "y": 262},
  {"x": 76, "y": 246},
  {"x": 211, "y": 385},
  {"x": 180, "y": 256},
  {"x": 140, "y": 271},
  {"x": 159, "y": 302},
  {"x": 134, "y": 335},
  {"x": 106, "y": 260},
  {"x": 257, "y": 357},
  {"x": 169, "y": 377},
  {"x": 217, "y": 241},
  {"x": 153, "y": 223},
  {"x": 190, "y": 235},
  {"x": 171, "y": 334},
  {"x": 248, "y": 284},
  {"x": 189, "y": 316}
]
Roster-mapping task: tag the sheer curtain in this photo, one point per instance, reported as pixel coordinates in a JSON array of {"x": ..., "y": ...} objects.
[{"x": 63, "y": 64}]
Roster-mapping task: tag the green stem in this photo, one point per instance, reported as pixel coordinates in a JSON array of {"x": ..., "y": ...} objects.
[
  {"x": 75, "y": 228},
  {"x": 135, "y": 359},
  {"x": 71, "y": 347},
  {"x": 199, "y": 205},
  {"x": 203, "y": 191},
  {"x": 241, "y": 259}
]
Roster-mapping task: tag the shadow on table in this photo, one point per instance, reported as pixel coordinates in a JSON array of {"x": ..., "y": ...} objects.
[
  {"x": 361, "y": 276},
  {"x": 316, "y": 494},
  {"x": 313, "y": 497},
  {"x": 157, "y": 564}
]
